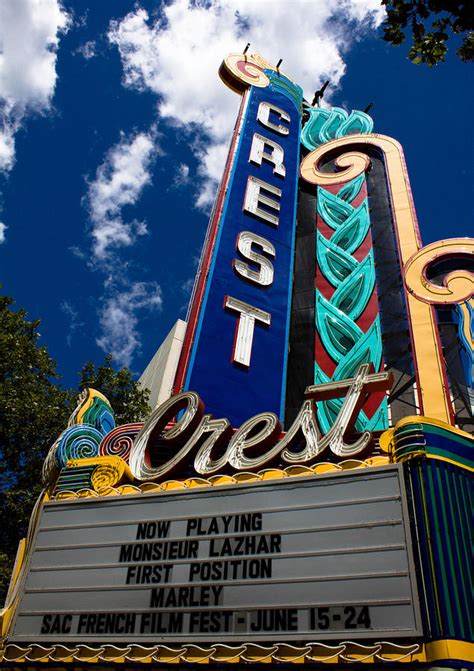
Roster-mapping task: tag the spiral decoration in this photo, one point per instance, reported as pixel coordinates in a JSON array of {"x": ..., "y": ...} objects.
[
  {"x": 119, "y": 441},
  {"x": 92, "y": 419},
  {"x": 350, "y": 165},
  {"x": 456, "y": 289},
  {"x": 77, "y": 442},
  {"x": 99, "y": 474},
  {"x": 239, "y": 71},
  {"x": 343, "y": 339},
  {"x": 457, "y": 285},
  {"x": 107, "y": 474}
]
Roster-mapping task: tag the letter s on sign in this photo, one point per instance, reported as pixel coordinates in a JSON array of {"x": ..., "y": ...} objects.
[
  {"x": 145, "y": 460},
  {"x": 245, "y": 242},
  {"x": 255, "y": 436}
]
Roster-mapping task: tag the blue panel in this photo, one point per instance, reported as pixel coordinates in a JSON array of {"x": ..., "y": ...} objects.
[{"x": 227, "y": 389}]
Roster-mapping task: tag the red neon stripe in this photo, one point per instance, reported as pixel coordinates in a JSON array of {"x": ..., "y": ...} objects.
[{"x": 206, "y": 257}]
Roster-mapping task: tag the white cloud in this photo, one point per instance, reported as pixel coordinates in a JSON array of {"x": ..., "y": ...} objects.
[
  {"x": 29, "y": 37},
  {"x": 187, "y": 285},
  {"x": 182, "y": 176},
  {"x": 74, "y": 322},
  {"x": 87, "y": 50},
  {"x": 119, "y": 321},
  {"x": 3, "y": 228},
  {"x": 119, "y": 181},
  {"x": 177, "y": 57}
]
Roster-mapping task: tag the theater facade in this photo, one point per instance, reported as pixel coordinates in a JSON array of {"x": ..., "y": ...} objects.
[{"x": 302, "y": 493}]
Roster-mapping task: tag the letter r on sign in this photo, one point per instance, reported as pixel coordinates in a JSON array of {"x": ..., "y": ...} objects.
[{"x": 259, "y": 153}]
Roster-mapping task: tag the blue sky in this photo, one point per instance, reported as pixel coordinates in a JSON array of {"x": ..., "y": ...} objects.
[{"x": 115, "y": 131}]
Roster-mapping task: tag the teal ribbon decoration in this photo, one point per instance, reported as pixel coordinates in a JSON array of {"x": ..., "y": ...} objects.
[
  {"x": 353, "y": 281},
  {"x": 324, "y": 125}
]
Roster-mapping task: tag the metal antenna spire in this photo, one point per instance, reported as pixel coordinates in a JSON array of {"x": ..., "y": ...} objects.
[{"x": 318, "y": 95}]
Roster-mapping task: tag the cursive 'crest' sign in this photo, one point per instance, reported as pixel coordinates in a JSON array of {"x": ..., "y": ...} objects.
[{"x": 157, "y": 451}]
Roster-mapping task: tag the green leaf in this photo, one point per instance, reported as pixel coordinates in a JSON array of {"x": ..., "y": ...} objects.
[
  {"x": 335, "y": 263},
  {"x": 442, "y": 18},
  {"x": 332, "y": 209},
  {"x": 338, "y": 332},
  {"x": 352, "y": 296}
]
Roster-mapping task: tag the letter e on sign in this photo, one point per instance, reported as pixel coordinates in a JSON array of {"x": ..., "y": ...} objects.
[{"x": 254, "y": 198}]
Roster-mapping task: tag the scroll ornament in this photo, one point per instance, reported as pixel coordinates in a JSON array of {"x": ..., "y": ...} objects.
[
  {"x": 456, "y": 289},
  {"x": 118, "y": 443},
  {"x": 92, "y": 419},
  {"x": 241, "y": 71},
  {"x": 457, "y": 286},
  {"x": 92, "y": 453},
  {"x": 97, "y": 474}
]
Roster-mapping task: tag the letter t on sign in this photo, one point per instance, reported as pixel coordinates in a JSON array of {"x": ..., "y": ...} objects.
[
  {"x": 245, "y": 327},
  {"x": 355, "y": 391},
  {"x": 365, "y": 381}
]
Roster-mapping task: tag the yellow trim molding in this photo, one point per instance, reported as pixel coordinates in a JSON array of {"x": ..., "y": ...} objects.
[
  {"x": 450, "y": 649},
  {"x": 417, "y": 419},
  {"x": 219, "y": 480},
  {"x": 339, "y": 653}
]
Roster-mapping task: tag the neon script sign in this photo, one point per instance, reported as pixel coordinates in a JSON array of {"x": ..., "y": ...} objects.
[{"x": 159, "y": 450}]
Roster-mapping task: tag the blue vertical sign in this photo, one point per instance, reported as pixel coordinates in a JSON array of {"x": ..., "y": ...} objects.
[{"x": 239, "y": 354}]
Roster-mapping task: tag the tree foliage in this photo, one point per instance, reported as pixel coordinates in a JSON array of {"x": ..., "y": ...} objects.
[
  {"x": 33, "y": 407},
  {"x": 432, "y": 23},
  {"x": 34, "y": 410}
]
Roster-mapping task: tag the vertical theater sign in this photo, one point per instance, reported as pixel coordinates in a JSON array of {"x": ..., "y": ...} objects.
[{"x": 304, "y": 494}]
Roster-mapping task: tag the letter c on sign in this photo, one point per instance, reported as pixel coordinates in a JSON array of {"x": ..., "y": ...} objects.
[{"x": 146, "y": 462}]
